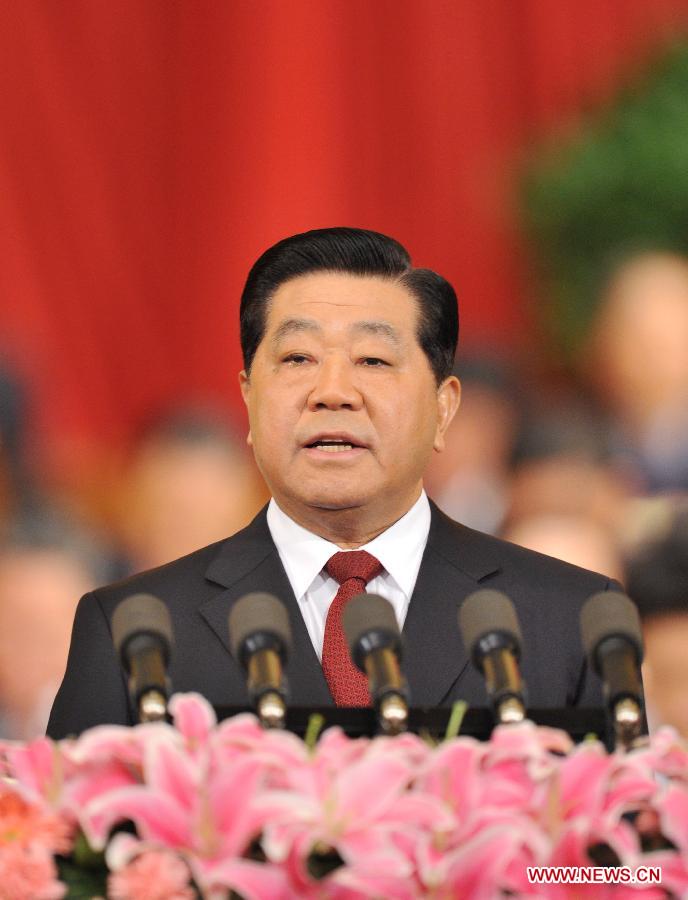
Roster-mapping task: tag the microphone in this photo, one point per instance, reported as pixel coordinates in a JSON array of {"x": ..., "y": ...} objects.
[
  {"x": 610, "y": 630},
  {"x": 374, "y": 641},
  {"x": 490, "y": 631},
  {"x": 142, "y": 634},
  {"x": 260, "y": 638}
]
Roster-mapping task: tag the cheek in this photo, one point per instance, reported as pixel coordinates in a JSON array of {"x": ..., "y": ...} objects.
[
  {"x": 272, "y": 422},
  {"x": 407, "y": 426},
  {"x": 418, "y": 413}
]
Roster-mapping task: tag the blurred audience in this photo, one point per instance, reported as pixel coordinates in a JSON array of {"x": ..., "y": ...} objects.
[
  {"x": 190, "y": 482},
  {"x": 637, "y": 358},
  {"x": 469, "y": 480},
  {"x": 657, "y": 580},
  {"x": 563, "y": 485},
  {"x": 15, "y": 488},
  {"x": 565, "y": 499},
  {"x": 46, "y": 564},
  {"x": 561, "y": 465},
  {"x": 574, "y": 538}
]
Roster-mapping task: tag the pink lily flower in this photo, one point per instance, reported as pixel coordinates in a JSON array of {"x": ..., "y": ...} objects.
[
  {"x": 40, "y": 769},
  {"x": 493, "y": 861},
  {"x": 674, "y": 868},
  {"x": 280, "y": 753},
  {"x": 571, "y": 849},
  {"x": 194, "y": 718},
  {"x": 453, "y": 775},
  {"x": 667, "y": 755},
  {"x": 361, "y": 811},
  {"x": 203, "y": 811},
  {"x": 674, "y": 816}
]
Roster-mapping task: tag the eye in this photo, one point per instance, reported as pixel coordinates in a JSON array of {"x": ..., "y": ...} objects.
[
  {"x": 295, "y": 359},
  {"x": 373, "y": 362}
]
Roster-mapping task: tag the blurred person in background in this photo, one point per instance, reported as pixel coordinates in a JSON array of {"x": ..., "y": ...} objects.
[
  {"x": 470, "y": 480},
  {"x": 190, "y": 483},
  {"x": 566, "y": 499},
  {"x": 574, "y": 538},
  {"x": 562, "y": 465},
  {"x": 46, "y": 564},
  {"x": 657, "y": 580},
  {"x": 637, "y": 358},
  {"x": 564, "y": 485}
]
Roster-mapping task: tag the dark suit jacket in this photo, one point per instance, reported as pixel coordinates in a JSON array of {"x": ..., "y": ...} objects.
[{"x": 200, "y": 589}]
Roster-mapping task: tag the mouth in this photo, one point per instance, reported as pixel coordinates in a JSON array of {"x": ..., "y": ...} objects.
[{"x": 334, "y": 444}]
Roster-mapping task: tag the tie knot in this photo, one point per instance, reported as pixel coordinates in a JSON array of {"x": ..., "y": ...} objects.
[{"x": 353, "y": 564}]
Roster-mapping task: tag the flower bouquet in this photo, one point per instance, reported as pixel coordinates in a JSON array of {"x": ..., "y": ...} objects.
[{"x": 201, "y": 809}]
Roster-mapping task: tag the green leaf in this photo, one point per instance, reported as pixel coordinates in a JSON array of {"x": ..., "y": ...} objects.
[
  {"x": 455, "y": 719},
  {"x": 85, "y": 856},
  {"x": 315, "y": 725},
  {"x": 617, "y": 187},
  {"x": 82, "y": 884}
]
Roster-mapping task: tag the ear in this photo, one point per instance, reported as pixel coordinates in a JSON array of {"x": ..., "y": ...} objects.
[
  {"x": 245, "y": 385},
  {"x": 448, "y": 399}
]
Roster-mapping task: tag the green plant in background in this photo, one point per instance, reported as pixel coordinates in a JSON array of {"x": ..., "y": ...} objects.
[{"x": 619, "y": 186}]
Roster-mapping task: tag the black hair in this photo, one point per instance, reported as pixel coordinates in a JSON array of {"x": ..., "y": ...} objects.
[
  {"x": 657, "y": 574},
  {"x": 357, "y": 252}
]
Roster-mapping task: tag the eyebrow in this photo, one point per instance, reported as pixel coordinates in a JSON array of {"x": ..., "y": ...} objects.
[
  {"x": 293, "y": 326},
  {"x": 382, "y": 329},
  {"x": 366, "y": 326}
]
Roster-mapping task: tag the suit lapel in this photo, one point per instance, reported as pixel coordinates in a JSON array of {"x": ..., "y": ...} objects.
[
  {"x": 250, "y": 562},
  {"x": 455, "y": 560}
]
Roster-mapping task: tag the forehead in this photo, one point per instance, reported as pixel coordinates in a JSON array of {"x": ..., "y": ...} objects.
[{"x": 337, "y": 299}]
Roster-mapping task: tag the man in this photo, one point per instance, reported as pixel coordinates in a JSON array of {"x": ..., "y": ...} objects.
[
  {"x": 348, "y": 354},
  {"x": 189, "y": 482},
  {"x": 46, "y": 563}
]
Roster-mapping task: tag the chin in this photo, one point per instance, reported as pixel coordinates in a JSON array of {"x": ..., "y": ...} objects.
[
  {"x": 335, "y": 502},
  {"x": 332, "y": 497}
]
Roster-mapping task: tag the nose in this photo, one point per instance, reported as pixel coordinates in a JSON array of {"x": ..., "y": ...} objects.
[{"x": 335, "y": 386}]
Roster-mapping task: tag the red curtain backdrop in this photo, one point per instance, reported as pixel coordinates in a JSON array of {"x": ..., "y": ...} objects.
[{"x": 151, "y": 149}]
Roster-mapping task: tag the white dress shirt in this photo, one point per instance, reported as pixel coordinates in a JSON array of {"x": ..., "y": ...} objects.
[{"x": 304, "y": 555}]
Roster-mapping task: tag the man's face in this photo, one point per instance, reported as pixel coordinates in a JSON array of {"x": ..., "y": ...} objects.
[{"x": 344, "y": 411}]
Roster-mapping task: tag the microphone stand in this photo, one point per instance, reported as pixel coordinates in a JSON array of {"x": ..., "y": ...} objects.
[
  {"x": 264, "y": 672},
  {"x": 392, "y": 708}
]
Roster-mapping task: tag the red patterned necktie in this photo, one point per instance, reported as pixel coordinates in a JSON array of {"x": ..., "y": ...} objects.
[{"x": 353, "y": 570}]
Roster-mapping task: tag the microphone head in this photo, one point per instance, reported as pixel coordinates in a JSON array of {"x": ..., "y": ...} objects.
[
  {"x": 370, "y": 624},
  {"x": 259, "y": 621},
  {"x": 610, "y": 614},
  {"x": 487, "y": 621},
  {"x": 142, "y": 615}
]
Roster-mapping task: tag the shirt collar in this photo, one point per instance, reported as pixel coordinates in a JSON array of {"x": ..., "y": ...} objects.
[{"x": 305, "y": 554}]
